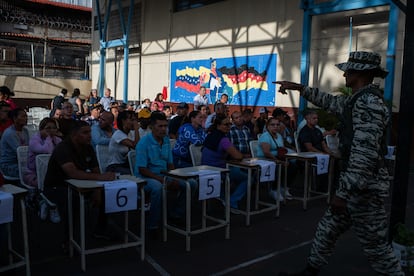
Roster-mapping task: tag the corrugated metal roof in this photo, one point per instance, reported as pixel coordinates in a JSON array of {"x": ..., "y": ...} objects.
[
  {"x": 71, "y": 4},
  {"x": 27, "y": 36}
]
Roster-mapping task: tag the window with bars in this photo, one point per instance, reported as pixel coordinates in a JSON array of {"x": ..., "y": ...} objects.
[{"x": 181, "y": 5}]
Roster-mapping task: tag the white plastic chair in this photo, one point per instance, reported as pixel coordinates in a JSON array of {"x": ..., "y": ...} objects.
[
  {"x": 42, "y": 161},
  {"x": 103, "y": 156},
  {"x": 172, "y": 142},
  {"x": 31, "y": 129},
  {"x": 253, "y": 147},
  {"x": 131, "y": 161},
  {"x": 296, "y": 137},
  {"x": 195, "y": 153},
  {"x": 332, "y": 141},
  {"x": 22, "y": 152}
]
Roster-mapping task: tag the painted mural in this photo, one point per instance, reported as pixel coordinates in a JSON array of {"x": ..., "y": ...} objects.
[{"x": 246, "y": 80}]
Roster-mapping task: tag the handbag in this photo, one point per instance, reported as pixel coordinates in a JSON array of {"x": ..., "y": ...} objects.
[{"x": 281, "y": 153}]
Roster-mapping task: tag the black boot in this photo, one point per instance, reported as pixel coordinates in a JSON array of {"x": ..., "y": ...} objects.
[{"x": 308, "y": 271}]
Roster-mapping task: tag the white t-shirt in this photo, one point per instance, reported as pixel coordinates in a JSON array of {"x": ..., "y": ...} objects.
[
  {"x": 143, "y": 132},
  {"x": 117, "y": 151}
]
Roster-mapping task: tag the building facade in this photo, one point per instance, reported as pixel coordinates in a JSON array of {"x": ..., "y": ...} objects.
[{"x": 176, "y": 44}]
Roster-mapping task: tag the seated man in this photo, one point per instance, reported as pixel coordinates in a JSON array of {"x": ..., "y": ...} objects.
[
  {"x": 311, "y": 140},
  {"x": 74, "y": 158},
  {"x": 102, "y": 133},
  {"x": 66, "y": 121},
  {"x": 175, "y": 122},
  {"x": 154, "y": 155},
  {"x": 311, "y": 137},
  {"x": 240, "y": 134},
  {"x": 93, "y": 117},
  {"x": 144, "y": 120},
  {"x": 5, "y": 121}
]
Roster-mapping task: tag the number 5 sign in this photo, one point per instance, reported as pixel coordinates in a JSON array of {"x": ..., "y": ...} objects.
[
  {"x": 120, "y": 195},
  {"x": 209, "y": 185}
]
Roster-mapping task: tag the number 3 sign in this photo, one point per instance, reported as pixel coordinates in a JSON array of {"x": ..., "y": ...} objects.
[{"x": 120, "y": 195}]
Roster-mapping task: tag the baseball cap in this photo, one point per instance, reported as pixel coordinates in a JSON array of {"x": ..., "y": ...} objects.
[
  {"x": 263, "y": 110},
  {"x": 182, "y": 105},
  {"x": 93, "y": 106},
  {"x": 144, "y": 113}
]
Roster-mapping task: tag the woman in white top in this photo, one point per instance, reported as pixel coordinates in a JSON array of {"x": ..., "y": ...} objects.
[{"x": 122, "y": 141}]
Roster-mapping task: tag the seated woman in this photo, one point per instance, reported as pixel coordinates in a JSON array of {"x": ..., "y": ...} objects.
[
  {"x": 191, "y": 132},
  {"x": 270, "y": 140},
  {"x": 217, "y": 148},
  {"x": 122, "y": 141},
  {"x": 43, "y": 141},
  {"x": 14, "y": 136},
  {"x": 271, "y": 146}
]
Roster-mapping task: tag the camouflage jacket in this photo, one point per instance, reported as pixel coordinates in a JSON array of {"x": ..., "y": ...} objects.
[{"x": 365, "y": 170}]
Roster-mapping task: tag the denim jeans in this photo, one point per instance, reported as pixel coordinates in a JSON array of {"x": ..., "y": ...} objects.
[
  {"x": 238, "y": 176},
  {"x": 154, "y": 187}
]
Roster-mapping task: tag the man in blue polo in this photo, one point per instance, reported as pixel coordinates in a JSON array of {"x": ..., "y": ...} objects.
[{"x": 154, "y": 155}]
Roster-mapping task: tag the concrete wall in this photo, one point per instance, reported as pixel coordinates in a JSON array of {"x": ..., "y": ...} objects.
[
  {"x": 29, "y": 88},
  {"x": 240, "y": 28}
]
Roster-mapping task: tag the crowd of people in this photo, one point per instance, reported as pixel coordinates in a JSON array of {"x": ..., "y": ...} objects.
[
  {"x": 122, "y": 127},
  {"x": 72, "y": 133}
]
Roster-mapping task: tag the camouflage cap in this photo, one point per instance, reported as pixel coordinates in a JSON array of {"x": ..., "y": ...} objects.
[{"x": 361, "y": 61}]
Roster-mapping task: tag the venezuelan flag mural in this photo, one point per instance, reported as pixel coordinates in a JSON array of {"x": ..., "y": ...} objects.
[{"x": 246, "y": 80}]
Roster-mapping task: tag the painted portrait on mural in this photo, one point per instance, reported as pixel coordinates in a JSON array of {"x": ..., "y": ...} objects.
[{"x": 245, "y": 80}]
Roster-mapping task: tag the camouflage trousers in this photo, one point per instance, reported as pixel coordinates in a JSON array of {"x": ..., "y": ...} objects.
[{"x": 366, "y": 216}]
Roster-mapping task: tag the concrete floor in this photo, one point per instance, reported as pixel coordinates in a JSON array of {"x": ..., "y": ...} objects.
[{"x": 266, "y": 247}]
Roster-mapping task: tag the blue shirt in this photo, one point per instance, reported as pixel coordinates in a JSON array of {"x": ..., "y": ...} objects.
[
  {"x": 188, "y": 135},
  {"x": 99, "y": 136},
  {"x": 9, "y": 143},
  {"x": 153, "y": 156},
  {"x": 274, "y": 143}
]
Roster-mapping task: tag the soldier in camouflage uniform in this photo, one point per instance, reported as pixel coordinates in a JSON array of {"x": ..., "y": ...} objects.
[{"x": 363, "y": 181}]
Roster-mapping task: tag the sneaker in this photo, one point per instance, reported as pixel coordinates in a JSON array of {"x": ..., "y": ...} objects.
[
  {"x": 275, "y": 195},
  {"x": 54, "y": 215},
  {"x": 147, "y": 206},
  {"x": 288, "y": 195},
  {"x": 102, "y": 235},
  {"x": 43, "y": 209},
  {"x": 235, "y": 211}
]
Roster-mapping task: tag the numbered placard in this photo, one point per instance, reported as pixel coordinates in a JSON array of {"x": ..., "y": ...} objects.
[
  {"x": 6, "y": 207},
  {"x": 209, "y": 185},
  {"x": 120, "y": 195},
  {"x": 267, "y": 170},
  {"x": 322, "y": 163}
]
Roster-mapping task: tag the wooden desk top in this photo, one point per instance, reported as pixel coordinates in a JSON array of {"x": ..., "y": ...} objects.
[
  {"x": 94, "y": 184},
  {"x": 249, "y": 162},
  {"x": 12, "y": 189},
  {"x": 191, "y": 172}
]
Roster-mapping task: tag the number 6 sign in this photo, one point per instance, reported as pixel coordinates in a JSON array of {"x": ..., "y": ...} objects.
[{"x": 120, "y": 195}]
